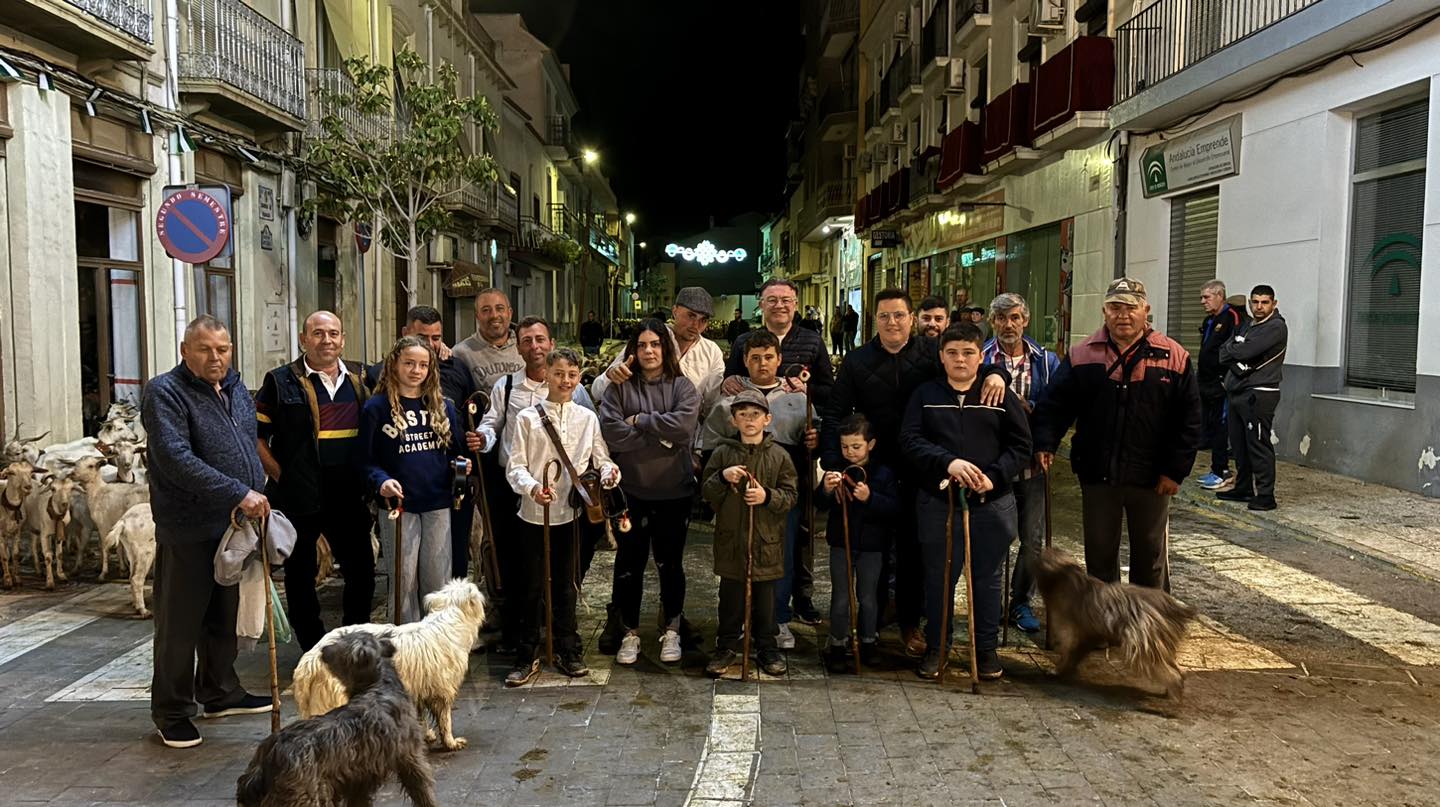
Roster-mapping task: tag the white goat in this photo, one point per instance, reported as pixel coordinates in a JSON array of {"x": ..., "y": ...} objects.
[
  {"x": 18, "y": 485},
  {"x": 49, "y": 508},
  {"x": 108, "y": 501},
  {"x": 135, "y": 534}
]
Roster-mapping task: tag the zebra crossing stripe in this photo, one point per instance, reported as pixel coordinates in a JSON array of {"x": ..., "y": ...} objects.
[
  {"x": 126, "y": 678},
  {"x": 24, "y": 635},
  {"x": 731, "y": 758}
]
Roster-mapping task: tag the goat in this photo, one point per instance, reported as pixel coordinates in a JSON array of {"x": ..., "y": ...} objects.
[
  {"x": 135, "y": 533},
  {"x": 49, "y": 507},
  {"x": 108, "y": 501},
  {"x": 18, "y": 484}
]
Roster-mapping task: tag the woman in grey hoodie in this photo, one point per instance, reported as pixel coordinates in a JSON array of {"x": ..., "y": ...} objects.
[{"x": 649, "y": 422}]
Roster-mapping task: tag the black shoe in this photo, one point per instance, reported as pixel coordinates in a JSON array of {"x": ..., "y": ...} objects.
[
  {"x": 870, "y": 654},
  {"x": 1262, "y": 503},
  {"x": 720, "y": 662},
  {"x": 609, "y": 642},
  {"x": 247, "y": 705},
  {"x": 772, "y": 662},
  {"x": 988, "y": 663},
  {"x": 180, "y": 734},
  {"x": 572, "y": 663},
  {"x": 929, "y": 668},
  {"x": 837, "y": 659},
  {"x": 1233, "y": 495},
  {"x": 805, "y": 613},
  {"x": 690, "y": 638},
  {"x": 523, "y": 673}
]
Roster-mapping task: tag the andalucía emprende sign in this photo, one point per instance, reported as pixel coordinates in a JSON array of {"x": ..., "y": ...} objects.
[
  {"x": 193, "y": 225},
  {"x": 1192, "y": 159}
]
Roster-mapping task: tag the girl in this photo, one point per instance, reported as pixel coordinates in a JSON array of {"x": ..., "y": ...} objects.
[
  {"x": 409, "y": 436},
  {"x": 649, "y": 422}
]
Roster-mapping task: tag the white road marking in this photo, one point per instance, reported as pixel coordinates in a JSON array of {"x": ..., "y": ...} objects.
[
  {"x": 126, "y": 678},
  {"x": 731, "y": 758},
  {"x": 1211, "y": 646},
  {"x": 24, "y": 635}
]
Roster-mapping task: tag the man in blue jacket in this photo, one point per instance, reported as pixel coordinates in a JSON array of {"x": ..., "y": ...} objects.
[
  {"x": 1031, "y": 367},
  {"x": 1222, "y": 321},
  {"x": 203, "y": 466}
]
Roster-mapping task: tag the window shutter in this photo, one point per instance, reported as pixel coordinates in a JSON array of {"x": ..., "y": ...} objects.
[
  {"x": 1194, "y": 236},
  {"x": 1388, "y": 202}
]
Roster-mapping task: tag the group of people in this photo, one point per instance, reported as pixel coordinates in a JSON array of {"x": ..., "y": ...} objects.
[{"x": 926, "y": 411}]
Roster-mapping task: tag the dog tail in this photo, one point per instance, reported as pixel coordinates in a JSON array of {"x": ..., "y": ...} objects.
[
  {"x": 254, "y": 784},
  {"x": 1156, "y": 628}
]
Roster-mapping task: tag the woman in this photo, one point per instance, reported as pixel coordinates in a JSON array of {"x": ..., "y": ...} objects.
[{"x": 649, "y": 423}]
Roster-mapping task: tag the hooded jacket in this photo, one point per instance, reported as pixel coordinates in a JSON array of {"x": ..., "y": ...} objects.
[
  {"x": 1255, "y": 355},
  {"x": 776, "y": 473},
  {"x": 871, "y": 521},
  {"x": 654, "y": 452}
]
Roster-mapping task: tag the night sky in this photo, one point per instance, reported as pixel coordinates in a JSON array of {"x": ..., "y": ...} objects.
[{"x": 686, "y": 100}]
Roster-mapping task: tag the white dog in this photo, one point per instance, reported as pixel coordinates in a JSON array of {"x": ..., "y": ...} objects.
[
  {"x": 431, "y": 656},
  {"x": 135, "y": 534}
]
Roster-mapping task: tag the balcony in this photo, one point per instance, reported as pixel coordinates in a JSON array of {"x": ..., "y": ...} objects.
[
  {"x": 872, "y": 117},
  {"x": 1008, "y": 130},
  {"x": 566, "y": 221},
  {"x": 326, "y": 85},
  {"x": 889, "y": 98},
  {"x": 507, "y": 207},
  {"x": 1072, "y": 92},
  {"x": 972, "y": 24},
  {"x": 239, "y": 65},
  {"x": 905, "y": 77},
  {"x": 121, "y": 30},
  {"x": 960, "y": 160},
  {"x": 925, "y": 195},
  {"x": 935, "y": 41},
  {"x": 536, "y": 243},
  {"x": 838, "y": 27},
  {"x": 474, "y": 199},
  {"x": 837, "y": 113},
  {"x": 832, "y": 200},
  {"x": 1164, "y": 66}
]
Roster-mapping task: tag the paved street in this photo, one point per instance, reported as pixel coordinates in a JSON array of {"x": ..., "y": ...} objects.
[{"x": 1313, "y": 679}]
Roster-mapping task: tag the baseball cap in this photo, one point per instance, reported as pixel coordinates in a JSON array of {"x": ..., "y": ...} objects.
[
  {"x": 749, "y": 397},
  {"x": 1125, "y": 290},
  {"x": 696, "y": 299}
]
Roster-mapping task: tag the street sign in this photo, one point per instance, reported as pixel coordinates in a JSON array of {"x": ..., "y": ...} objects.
[
  {"x": 362, "y": 237},
  {"x": 193, "y": 225},
  {"x": 884, "y": 238},
  {"x": 1203, "y": 156}
]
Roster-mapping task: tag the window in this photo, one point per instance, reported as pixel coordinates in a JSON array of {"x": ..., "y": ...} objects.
[
  {"x": 1386, "y": 219},
  {"x": 215, "y": 295},
  {"x": 111, "y": 308},
  {"x": 1194, "y": 237}
]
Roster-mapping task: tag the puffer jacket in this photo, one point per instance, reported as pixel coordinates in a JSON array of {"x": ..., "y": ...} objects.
[
  {"x": 772, "y": 466},
  {"x": 800, "y": 346},
  {"x": 871, "y": 521},
  {"x": 653, "y": 453},
  {"x": 1135, "y": 420}
]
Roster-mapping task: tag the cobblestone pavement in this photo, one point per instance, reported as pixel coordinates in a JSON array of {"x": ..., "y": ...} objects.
[{"x": 1313, "y": 680}]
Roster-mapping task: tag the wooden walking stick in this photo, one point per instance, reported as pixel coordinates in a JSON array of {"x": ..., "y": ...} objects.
[
  {"x": 749, "y": 570},
  {"x": 475, "y": 405},
  {"x": 802, "y": 373},
  {"x": 1046, "y": 472},
  {"x": 396, "y": 506},
  {"x": 970, "y": 596},
  {"x": 262, "y": 526},
  {"x": 946, "y": 596},
  {"x": 545, "y": 539},
  {"x": 844, "y": 494},
  {"x": 1005, "y": 606}
]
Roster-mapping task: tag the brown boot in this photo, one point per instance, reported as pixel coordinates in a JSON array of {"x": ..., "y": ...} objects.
[{"x": 914, "y": 641}]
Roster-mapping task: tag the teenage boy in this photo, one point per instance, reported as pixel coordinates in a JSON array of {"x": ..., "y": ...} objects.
[
  {"x": 751, "y": 477},
  {"x": 952, "y": 437}
]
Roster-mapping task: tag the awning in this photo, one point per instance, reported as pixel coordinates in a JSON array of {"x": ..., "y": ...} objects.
[{"x": 466, "y": 278}]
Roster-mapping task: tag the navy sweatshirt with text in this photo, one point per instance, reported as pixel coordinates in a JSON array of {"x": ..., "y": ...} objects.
[{"x": 415, "y": 457}]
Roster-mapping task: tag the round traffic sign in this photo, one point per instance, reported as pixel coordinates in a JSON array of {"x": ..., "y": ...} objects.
[
  {"x": 362, "y": 237},
  {"x": 192, "y": 226}
]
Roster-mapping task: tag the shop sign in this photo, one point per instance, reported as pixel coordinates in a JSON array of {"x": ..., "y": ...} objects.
[
  {"x": 605, "y": 246},
  {"x": 267, "y": 203},
  {"x": 982, "y": 254},
  {"x": 880, "y": 239},
  {"x": 466, "y": 279},
  {"x": 193, "y": 224},
  {"x": 1204, "y": 156}
]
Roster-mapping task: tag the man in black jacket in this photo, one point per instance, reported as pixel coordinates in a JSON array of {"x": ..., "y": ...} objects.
[
  {"x": 1221, "y": 322},
  {"x": 1255, "y": 358},
  {"x": 1132, "y": 395},
  {"x": 308, "y": 438},
  {"x": 737, "y": 327},
  {"x": 877, "y": 380}
]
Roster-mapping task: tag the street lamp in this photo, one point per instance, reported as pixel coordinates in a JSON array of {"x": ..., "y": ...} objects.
[
  {"x": 630, "y": 218},
  {"x": 591, "y": 156}
]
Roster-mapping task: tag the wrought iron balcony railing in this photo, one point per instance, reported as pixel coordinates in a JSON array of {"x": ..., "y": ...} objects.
[
  {"x": 326, "y": 84},
  {"x": 1171, "y": 35},
  {"x": 232, "y": 43},
  {"x": 935, "y": 38},
  {"x": 131, "y": 16}
]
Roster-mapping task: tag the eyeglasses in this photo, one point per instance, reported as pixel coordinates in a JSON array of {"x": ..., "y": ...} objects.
[
  {"x": 778, "y": 300},
  {"x": 893, "y": 316}
]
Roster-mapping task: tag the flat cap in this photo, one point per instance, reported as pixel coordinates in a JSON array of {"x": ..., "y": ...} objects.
[
  {"x": 696, "y": 299},
  {"x": 749, "y": 397}
]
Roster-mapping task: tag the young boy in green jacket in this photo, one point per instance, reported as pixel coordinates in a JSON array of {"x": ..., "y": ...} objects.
[{"x": 751, "y": 472}]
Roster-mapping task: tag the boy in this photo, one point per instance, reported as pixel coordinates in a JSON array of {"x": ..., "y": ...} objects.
[
  {"x": 874, "y": 503},
  {"x": 532, "y": 449},
  {"x": 772, "y": 494},
  {"x": 787, "y": 426},
  {"x": 950, "y": 435}
]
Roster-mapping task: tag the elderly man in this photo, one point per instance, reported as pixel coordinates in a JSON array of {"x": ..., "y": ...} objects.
[
  {"x": 203, "y": 466},
  {"x": 934, "y": 317},
  {"x": 1254, "y": 356},
  {"x": 1031, "y": 366},
  {"x": 308, "y": 433},
  {"x": 490, "y": 353},
  {"x": 1132, "y": 395},
  {"x": 1221, "y": 322}
]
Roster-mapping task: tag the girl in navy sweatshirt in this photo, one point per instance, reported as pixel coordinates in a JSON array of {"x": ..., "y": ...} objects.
[{"x": 409, "y": 435}]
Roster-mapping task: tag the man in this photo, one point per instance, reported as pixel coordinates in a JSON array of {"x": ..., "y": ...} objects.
[
  {"x": 977, "y": 318},
  {"x": 592, "y": 335},
  {"x": 852, "y": 325},
  {"x": 876, "y": 380},
  {"x": 508, "y": 398},
  {"x": 934, "y": 317},
  {"x": 701, "y": 360},
  {"x": 1031, "y": 367},
  {"x": 456, "y": 384},
  {"x": 804, "y": 346},
  {"x": 1132, "y": 395},
  {"x": 1221, "y": 322},
  {"x": 308, "y": 440},
  {"x": 203, "y": 466},
  {"x": 736, "y": 327},
  {"x": 1254, "y": 355},
  {"x": 490, "y": 353}
]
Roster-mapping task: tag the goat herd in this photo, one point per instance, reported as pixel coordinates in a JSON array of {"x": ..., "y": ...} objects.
[{"x": 60, "y": 496}]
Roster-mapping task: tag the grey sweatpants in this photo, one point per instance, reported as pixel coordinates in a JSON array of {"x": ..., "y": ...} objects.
[{"x": 424, "y": 558}]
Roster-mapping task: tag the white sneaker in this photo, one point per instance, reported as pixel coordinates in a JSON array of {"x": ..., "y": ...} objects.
[
  {"x": 670, "y": 647},
  {"x": 785, "y": 640},
  {"x": 629, "y": 649}
]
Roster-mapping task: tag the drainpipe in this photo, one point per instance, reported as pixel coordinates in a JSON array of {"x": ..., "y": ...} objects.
[
  {"x": 292, "y": 231},
  {"x": 1122, "y": 184},
  {"x": 172, "y": 87}
]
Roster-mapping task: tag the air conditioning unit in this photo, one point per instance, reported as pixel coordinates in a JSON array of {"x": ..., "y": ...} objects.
[
  {"x": 902, "y": 25},
  {"x": 849, "y": 151},
  {"x": 897, "y": 133},
  {"x": 1047, "y": 17},
  {"x": 866, "y": 162},
  {"x": 955, "y": 78}
]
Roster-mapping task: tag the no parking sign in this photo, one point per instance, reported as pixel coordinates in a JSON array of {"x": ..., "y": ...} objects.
[{"x": 193, "y": 224}]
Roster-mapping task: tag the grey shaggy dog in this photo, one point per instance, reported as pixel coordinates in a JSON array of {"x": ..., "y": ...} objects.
[
  {"x": 343, "y": 756},
  {"x": 1086, "y": 614}
]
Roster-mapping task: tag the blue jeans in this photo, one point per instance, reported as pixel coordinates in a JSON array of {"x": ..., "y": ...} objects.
[
  {"x": 992, "y": 526},
  {"x": 867, "y": 582},
  {"x": 1030, "y": 504},
  {"x": 785, "y": 586}
]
